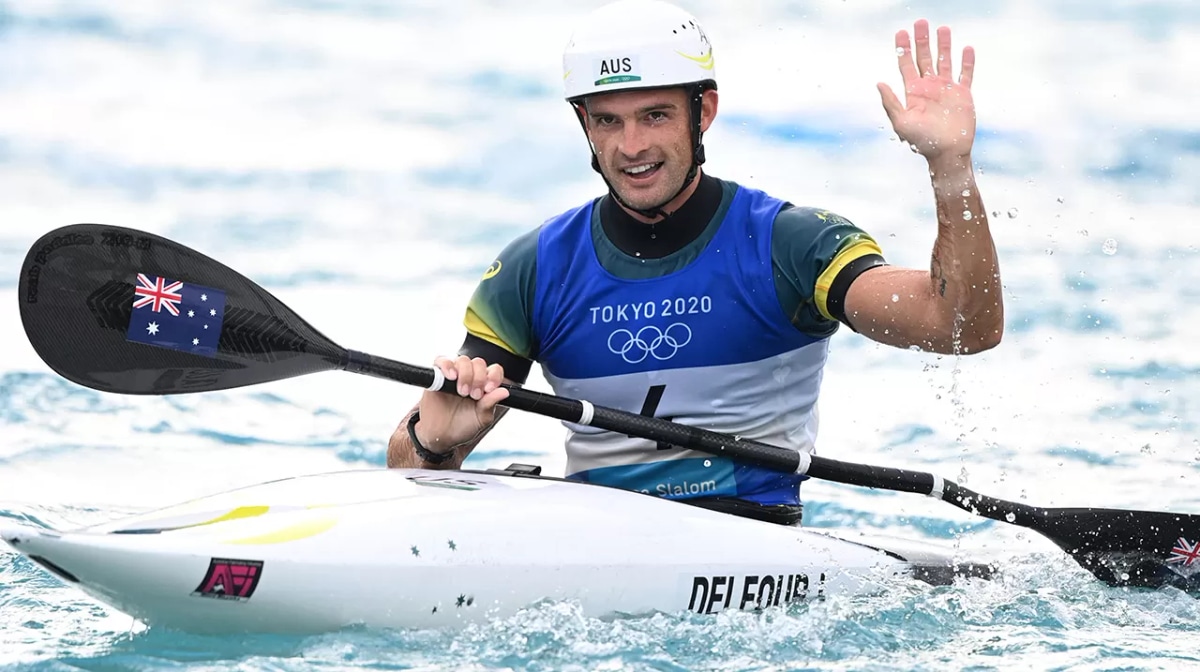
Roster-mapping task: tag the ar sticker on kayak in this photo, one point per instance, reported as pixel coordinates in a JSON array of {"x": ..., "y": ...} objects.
[
  {"x": 229, "y": 579},
  {"x": 447, "y": 482}
]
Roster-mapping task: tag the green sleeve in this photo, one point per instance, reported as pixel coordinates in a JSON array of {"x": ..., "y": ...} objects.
[
  {"x": 809, "y": 248},
  {"x": 501, "y": 309}
]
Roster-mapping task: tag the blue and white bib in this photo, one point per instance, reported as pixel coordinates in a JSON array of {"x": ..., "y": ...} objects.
[{"x": 706, "y": 346}]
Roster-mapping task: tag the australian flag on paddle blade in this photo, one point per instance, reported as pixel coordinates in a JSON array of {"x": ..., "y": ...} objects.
[{"x": 176, "y": 315}]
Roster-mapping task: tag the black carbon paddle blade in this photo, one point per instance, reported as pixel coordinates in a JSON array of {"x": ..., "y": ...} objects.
[
  {"x": 1150, "y": 549},
  {"x": 122, "y": 310}
]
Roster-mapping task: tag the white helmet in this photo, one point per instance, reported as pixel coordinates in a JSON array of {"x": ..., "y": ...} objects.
[{"x": 636, "y": 44}]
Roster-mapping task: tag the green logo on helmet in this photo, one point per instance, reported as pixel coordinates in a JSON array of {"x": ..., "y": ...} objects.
[
  {"x": 617, "y": 71},
  {"x": 617, "y": 79}
]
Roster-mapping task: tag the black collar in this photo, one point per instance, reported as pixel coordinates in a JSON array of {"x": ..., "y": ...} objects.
[{"x": 657, "y": 240}]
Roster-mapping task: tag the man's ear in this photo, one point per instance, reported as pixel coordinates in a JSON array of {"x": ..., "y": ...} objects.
[{"x": 708, "y": 109}]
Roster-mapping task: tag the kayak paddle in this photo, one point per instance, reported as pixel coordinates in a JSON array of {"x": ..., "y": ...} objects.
[{"x": 125, "y": 311}]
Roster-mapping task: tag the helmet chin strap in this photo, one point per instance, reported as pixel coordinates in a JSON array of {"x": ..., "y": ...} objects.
[{"x": 656, "y": 211}]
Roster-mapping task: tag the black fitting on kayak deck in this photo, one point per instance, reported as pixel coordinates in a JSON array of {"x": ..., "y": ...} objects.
[{"x": 516, "y": 469}]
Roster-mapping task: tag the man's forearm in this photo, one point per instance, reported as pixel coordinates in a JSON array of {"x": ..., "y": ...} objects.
[
  {"x": 402, "y": 455},
  {"x": 964, "y": 273}
]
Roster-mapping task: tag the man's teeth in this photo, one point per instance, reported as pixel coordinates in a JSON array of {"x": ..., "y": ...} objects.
[{"x": 640, "y": 169}]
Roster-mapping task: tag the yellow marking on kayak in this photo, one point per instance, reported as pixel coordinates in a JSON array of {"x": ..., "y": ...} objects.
[
  {"x": 304, "y": 530},
  {"x": 239, "y": 512}
]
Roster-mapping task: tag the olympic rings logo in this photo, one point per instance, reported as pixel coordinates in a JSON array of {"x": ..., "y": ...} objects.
[{"x": 649, "y": 341}]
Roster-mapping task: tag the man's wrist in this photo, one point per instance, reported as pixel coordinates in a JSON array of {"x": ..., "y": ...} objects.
[
  {"x": 427, "y": 455},
  {"x": 952, "y": 176},
  {"x": 949, "y": 166}
]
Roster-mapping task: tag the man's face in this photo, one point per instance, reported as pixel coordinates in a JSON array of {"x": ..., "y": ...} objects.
[{"x": 643, "y": 141}]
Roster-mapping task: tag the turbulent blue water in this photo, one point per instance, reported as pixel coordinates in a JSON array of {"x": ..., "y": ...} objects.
[{"x": 366, "y": 160}]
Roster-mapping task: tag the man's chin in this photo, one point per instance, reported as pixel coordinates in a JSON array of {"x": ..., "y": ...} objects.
[
  {"x": 643, "y": 203},
  {"x": 643, "y": 199}
]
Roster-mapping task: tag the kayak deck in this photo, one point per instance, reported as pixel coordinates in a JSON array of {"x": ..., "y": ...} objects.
[{"x": 415, "y": 548}]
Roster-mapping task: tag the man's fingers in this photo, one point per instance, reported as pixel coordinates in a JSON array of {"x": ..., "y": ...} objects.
[
  {"x": 945, "y": 63},
  {"x": 476, "y": 378},
  {"x": 487, "y": 404},
  {"x": 479, "y": 377},
  {"x": 924, "y": 55},
  {"x": 466, "y": 374},
  {"x": 447, "y": 366},
  {"x": 891, "y": 104},
  {"x": 495, "y": 376},
  {"x": 968, "y": 67},
  {"x": 904, "y": 58}
]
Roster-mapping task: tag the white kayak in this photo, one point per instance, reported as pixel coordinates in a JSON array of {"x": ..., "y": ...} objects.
[{"x": 410, "y": 548}]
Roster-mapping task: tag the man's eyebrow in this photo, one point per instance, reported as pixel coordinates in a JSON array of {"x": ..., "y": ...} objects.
[{"x": 640, "y": 111}]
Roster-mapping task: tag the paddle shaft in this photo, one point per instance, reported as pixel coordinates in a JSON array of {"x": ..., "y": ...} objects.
[{"x": 657, "y": 429}]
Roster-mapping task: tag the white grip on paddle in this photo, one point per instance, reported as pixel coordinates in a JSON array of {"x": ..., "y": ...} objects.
[
  {"x": 805, "y": 463},
  {"x": 588, "y": 411},
  {"x": 939, "y": 486},
  {"x": 439, "y": 379}
]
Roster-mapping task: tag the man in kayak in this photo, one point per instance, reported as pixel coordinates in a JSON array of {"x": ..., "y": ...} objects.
[{"x": 687, "y": 297}]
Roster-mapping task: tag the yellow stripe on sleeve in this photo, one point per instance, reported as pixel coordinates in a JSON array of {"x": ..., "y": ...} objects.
[
  {"x": 477, "y": 327},
  {"x": 851, "y": 252}
]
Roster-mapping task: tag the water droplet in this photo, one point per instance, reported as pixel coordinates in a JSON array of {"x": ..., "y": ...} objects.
[
  {"x": 1083, "y": 232},
  {"x": 967, "y": 215},
  {"x": 899, "y": 51},
  {"x": 914, "y": 348},
  {"x": 1010, "y": 517},
  {"x": 1147, "y": 450},
  {"x": 966, "y": 193},
  {"x": 1012, "y": 213},
  {"x": 995, "y": 214},
  {"x": 708, "y": 463},
  {"x": 1109, "y": 247},
  {"x": 895, "y": 298}
]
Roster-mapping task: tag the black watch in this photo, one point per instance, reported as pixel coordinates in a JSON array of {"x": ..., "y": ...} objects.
[{"x": 422, "y": 452}]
